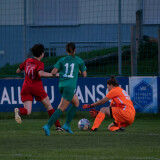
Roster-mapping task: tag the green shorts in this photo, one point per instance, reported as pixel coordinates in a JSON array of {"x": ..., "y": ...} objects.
[{"x": 67, "y": 93}]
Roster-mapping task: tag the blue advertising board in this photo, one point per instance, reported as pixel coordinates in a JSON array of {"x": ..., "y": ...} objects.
[
  {"x": 143, "y": 91},
  {"x": 89, "y": 90},
  {"x": 158, "y": 93}
]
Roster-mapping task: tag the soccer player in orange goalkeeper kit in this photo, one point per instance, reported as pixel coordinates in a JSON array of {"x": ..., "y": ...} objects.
[{"x": 121, "y": 108}]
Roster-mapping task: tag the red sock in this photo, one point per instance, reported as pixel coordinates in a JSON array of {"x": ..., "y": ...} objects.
[
  {"x": 23, "y": 111},
  {"x": 50, "y": 112}
]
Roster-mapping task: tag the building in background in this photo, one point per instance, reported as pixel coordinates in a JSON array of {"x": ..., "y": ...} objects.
[{"x": 51, "y": 22}]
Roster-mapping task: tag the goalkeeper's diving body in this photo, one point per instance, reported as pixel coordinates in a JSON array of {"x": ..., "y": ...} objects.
[
  {"x": 121, "y": 108},
  {"x": 68, "y": 68}
]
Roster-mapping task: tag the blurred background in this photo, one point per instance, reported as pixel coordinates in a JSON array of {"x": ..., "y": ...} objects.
[{"x": 117, "y": 37}]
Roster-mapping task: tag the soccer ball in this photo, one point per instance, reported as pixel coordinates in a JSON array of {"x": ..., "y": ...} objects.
[{"x": 83, "y": 124}]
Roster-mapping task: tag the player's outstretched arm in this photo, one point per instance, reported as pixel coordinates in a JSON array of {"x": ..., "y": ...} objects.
[
  {"x": 44, "y": 74},
  {"x": 84, "y": 74},
  {"x": 55, "y": 72},
  {"x": 98, "y": 103},
  {"x": 85, "y": 106}
]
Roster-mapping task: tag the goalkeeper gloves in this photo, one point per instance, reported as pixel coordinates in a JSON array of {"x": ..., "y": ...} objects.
[
  {"x": 93, "y": 113},
  {"x": 85, "y": 106}
]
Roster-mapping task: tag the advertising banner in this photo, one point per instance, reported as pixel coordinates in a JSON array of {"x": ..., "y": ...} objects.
[
  {"x": 158, "y": 93},
  {"x": 88, "y": 90},
  {"x": 143, "y": 92}
]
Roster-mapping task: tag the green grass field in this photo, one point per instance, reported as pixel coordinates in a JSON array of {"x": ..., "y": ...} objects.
[{"x": 27, "y": 141}]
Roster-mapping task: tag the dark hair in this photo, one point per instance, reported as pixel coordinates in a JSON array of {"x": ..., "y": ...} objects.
[
  {"x": 113, "y": 81},
  {"x": 70, "y": 48},
  {"x": 37, "y": 50}
]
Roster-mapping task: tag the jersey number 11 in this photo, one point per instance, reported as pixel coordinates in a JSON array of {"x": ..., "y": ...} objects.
[{"x": 70, "y": 75}]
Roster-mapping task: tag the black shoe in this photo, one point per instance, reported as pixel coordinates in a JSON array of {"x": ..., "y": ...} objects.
[
  {"x": 59, "y": 129},
  {"x": 120, "y": 129},
  {"x": 92, "y": 130}
]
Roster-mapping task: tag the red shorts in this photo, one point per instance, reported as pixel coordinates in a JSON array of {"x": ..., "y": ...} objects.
[
  {"x": 123, "y": 118},
  {"x": 30, "y": 91}
]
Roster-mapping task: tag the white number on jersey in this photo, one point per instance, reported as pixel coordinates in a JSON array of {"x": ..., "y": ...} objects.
[
  {"x": 70, "y": 75},
  {"x": 30, "y": 72},
  {"x": 125, "y": 94}
]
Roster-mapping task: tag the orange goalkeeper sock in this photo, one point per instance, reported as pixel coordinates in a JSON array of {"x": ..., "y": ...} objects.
[
  {"x": 114, "y": 128},
  {"x": 100, "y": 117}
]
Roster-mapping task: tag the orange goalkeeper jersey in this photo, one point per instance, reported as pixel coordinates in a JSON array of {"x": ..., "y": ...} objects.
[{"x": 120, "y": 98}]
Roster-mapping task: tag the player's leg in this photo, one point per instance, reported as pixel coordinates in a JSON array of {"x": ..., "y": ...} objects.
[
  {"x": 72, "y": 110},
  {"x": 105, "y": 111},
  {"x": 71, "y": 113},
  {"x": 26, "y": 110},
  {"x": 61, "y": 108},
  {"x": 113, "y": 127},
  {"x": 27, "y": 99},
  {"x": 125, "y": 118},
  {"x": 50, "y": 111},
  {"x": 117, "y": 114},
  {"x": 69, "y": 95}
]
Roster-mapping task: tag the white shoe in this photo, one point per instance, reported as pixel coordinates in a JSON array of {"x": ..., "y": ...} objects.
[
  {"x": 60, "y": 129},
  {"x": 17, "y": 116}
]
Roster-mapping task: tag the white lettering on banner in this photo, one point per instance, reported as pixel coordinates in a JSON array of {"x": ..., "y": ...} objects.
[
  {"x": 99, "y": 92},
  {"x": 19, "y": 95},
  {"x": 88, "y": 93},
  {"x": 93, "y": 93},
  {"x": 5, "y": 96},
  {"x": 13, "y": 99},
  {"x": 106, "y": 91},
  {"x": 126, "y": 89},
  {"x": 34, "y": 101},
  {"x": 79, "y": 94},
  {"x": 12, "y": 96},
  {"x": 52, "y": 94},
  {"x": 45, "y": 88}
]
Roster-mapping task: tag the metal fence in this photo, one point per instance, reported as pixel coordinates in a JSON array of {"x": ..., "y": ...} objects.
[{"x": 117, "y": 37}]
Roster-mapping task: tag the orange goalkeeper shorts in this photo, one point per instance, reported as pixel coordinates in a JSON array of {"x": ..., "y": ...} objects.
[{"x": 123, "y": 118}]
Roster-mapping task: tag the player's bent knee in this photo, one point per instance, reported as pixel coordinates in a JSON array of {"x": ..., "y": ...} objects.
[
  {"x": 103, "y": 110},
  {"x": 62, "y": 109},
  {"x": 76, "y": 104},
  {"x": 28, "y": 113},
  {"x": 106, "y": 111},
  {"x": 49, "y": 107}
]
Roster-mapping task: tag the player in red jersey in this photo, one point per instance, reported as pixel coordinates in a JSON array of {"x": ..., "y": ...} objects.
[
  {"x": 121, "y": 108},
  {"x": 33, "y": 86}
]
